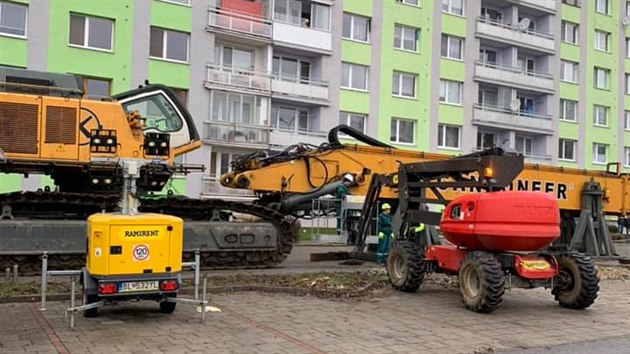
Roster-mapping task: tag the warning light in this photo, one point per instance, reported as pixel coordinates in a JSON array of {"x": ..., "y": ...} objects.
[
  {"x": 168, "y": 285},
  {"x": 107, "y": 288},
  {"x": 488, "y": 172}
]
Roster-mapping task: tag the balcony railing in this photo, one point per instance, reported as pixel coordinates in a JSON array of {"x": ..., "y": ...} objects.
[
  {"x": 514, "y": 69},
  {"x": 238, "y": 77},
  {"x": 514, "y": 28},
  {"x": 298, "y": 87},
  {"x": 287, "y": 137},
  {"x": 235, "y": 133},
  {"x": 521, "y": 113},
  {"x": 234, "y": 21}
]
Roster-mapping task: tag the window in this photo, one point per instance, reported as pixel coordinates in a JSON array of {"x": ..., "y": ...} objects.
[
  {"x": 290, "y": 69},
  {"x": 568, "y": 110},
  {"x": 488, "y": 97},
  {"x": 568, "y": 71},
  {"x": 455, "y": 7},
  {"x": 491, "y": 14},
  {"x": 601, "y": 6},
  {"x": 450, "y": 91},
  {"x": 627, "y": 84},
  {"x": 354, "y": 120},
  {"x": 356, "y": 27},
  {"x": 452, "y": 47},
  {"x": 566, "y": 150},
  {"x": 601, "y": 40},
  {"x": 485, "y": 140},
  {"x": 13, "y": 19},
  {"x": 626, "y": 161},
  {"x": 97, "y": 88},
  {"x": 291, "y": 119},
  {"x": 220, "y": 164},
  {"x": 230, "y": 57},
  {"x": 167, "y": 44},
  {"x": 402, "y": 131},
  {"x": 293, "y": 12},
  {"x": 628, "y": 47},
  {"x": 354, "y": 76},
  {"x": 600, "y": 115},
  {"x": 157, "y": 111},
  {"x": 525, "y": 145},
  {"x": 571, "y": 2},
  {"x": 570, "y": 32},
  {"x": 91, "y": 32},
  {"x": 599, "y": 153},
  {"x": 234, "y": 107},
  {"x": 406, "y": 38},
  {"x": 448, "y": 136},
  {"x": 602, "y": 78},
  {"x": 404, "y": 84},
  {"x": 627, "y": 8},
  {"x": 409, "y": 2},
  {"x": 626, "y": 121},
  {"x": 488, "y": 56}
]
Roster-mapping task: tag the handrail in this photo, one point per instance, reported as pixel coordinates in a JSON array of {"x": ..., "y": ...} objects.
[
  {"x": 514, "y": 69},
  {"x": 240, "y": 15},
  {"x": 513, "y": 27},
  {"x": 301, "y": 81},
  {"x": 313, "y": 133}
]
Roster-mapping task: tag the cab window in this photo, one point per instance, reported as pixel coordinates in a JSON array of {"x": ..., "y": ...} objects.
[{"x": 157, "y": 111}]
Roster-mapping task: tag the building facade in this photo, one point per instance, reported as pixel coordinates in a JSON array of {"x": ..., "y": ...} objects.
[{"x": 548, "y": 78}]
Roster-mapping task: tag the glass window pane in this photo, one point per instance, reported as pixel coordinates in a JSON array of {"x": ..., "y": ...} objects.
[
  {"x": 409, "y": 38},
  {"x": 274, "y": 116},
  {"x": 276, "y": 66},
  {"x": 457, "y": 7},
  {"x": 343, "y": 118},
  {"x": 347, "y": 26},
  {"x": 455, "y": 46},
  {"x": 13, "y": 19},
  {"x": 157, "y": 42},
  {"x": 359, "y": 77},
  {"x": 396, "y": 83},
  {"x": 440, "y": 135},
  {"x": 219, "y": 106},
  {"x": 408, "y": 85},
  {"x": 289, "y": 68},
  {"x": 177, "y": 45},
  {"x": 303, "y": 120},
  {"x": 305, "y": 71},
  {"x": 393, "y": 135},
  {"x": 444, "y": 43},
  {"x": 248, "y": 115},
  {"x": 345, "y": 75},
  {"x": 452, "y": 137},
  {"x": 357, "y": 122},
  {"x": 295, "y": 11},
  {"x": 321, "y": 14},
  {"x": 77, "y": 30},
  {"x": 360, "y": 28},
  {"x": 398, "y": 37},
  {"x": 100, "y": 33},
  {"x": 242, "y": 59},
  {"x": 286, "y": 118},
  {"x": 280, "y": 10},
  {"x": 234, "y": 105},
  {"x": 406, "y": 131},
  {"x": 225, "y": 163}
]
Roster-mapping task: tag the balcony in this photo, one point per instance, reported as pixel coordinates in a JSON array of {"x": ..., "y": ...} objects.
[
  {"x": 499, "y": 117},
  {"x": 255, "y": 136},
  {"x": 249, "y": 81},
  {"x": 511, "y": 34},
  {"x": 538, "y": 159},
  {"x": 240, "y": 26},
  {"x": 306, "y": 38},
  {"x": 548, "y": 6},
  {"x": 513, "y": 77},
  {"x": 287, "y": 138},
  {"x": 212, "y": 187},
  {"x": 306, "y": 91}
]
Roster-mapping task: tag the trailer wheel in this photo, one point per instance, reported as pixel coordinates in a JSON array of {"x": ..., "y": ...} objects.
[
  {"x": 405, "y": 266},
  {"x": 168, "y": 307},
  {"x": 578, "y": 283},
  {"x": 90, "y": 299},
  {"x": 481, "y": 282}
]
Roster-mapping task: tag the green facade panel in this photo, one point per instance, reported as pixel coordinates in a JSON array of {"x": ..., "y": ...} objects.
[{"x": 13, "y": 51}]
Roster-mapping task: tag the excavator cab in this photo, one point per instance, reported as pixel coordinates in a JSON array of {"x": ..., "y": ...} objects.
[{"x": 160, "y": 111}]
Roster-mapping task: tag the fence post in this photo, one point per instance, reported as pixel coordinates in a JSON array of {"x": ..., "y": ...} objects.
[
  {"x": 197, "y": 266},
  {"x": 15, "y": 272},
  {"x": 44, "y": 280},
  {"x": 203, "y": 304},
  {"x": 72, "y": 290}
]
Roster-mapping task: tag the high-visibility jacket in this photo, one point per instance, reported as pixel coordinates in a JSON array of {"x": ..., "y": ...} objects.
[
  {"x": 419, "y": 228},
  {"x": 384, "y": 225}
]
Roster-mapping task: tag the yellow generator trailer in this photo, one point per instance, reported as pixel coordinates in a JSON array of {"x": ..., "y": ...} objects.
[{"x": 131, "y": 255}]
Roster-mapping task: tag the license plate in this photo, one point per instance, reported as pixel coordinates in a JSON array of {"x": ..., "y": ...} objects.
[
  {"x": 138, "y": 286},
  {"x": 536, "y": 264}
]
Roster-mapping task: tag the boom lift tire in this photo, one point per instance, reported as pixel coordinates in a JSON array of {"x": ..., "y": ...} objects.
[
  {"x": 481, "y": 282},
  {"x": 581, "y": 283},
  {"x": 168, "y": 307},
  {"x": 405, "y": 266}
]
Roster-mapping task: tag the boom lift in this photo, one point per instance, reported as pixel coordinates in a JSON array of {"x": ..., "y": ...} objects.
[{"x": 49, "y": 128}]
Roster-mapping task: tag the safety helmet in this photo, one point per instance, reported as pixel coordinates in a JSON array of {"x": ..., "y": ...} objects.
[
  {"x": 348, "y": 177},
  {"x": 386, "y": 206}
]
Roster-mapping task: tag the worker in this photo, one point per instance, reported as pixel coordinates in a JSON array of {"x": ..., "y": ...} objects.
[
  {"x": 418, "y": 229},
  {"x": 384, "y": 233},
  {"x": 341, "y": 191}
]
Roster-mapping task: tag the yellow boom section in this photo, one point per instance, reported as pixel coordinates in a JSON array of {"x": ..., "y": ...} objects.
[{"x": 295, "y": 176}]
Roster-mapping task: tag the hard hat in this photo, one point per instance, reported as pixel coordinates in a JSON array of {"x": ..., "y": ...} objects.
[
  {"x": 386, "y": 206},
  {"x": 348, "y": 177}
]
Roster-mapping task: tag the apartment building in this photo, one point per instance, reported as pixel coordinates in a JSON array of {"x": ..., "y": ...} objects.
[{"x": 547, "y": 78}]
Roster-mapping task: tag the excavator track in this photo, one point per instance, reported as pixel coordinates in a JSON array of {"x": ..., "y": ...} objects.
[{"x": 25, "y": 206}]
